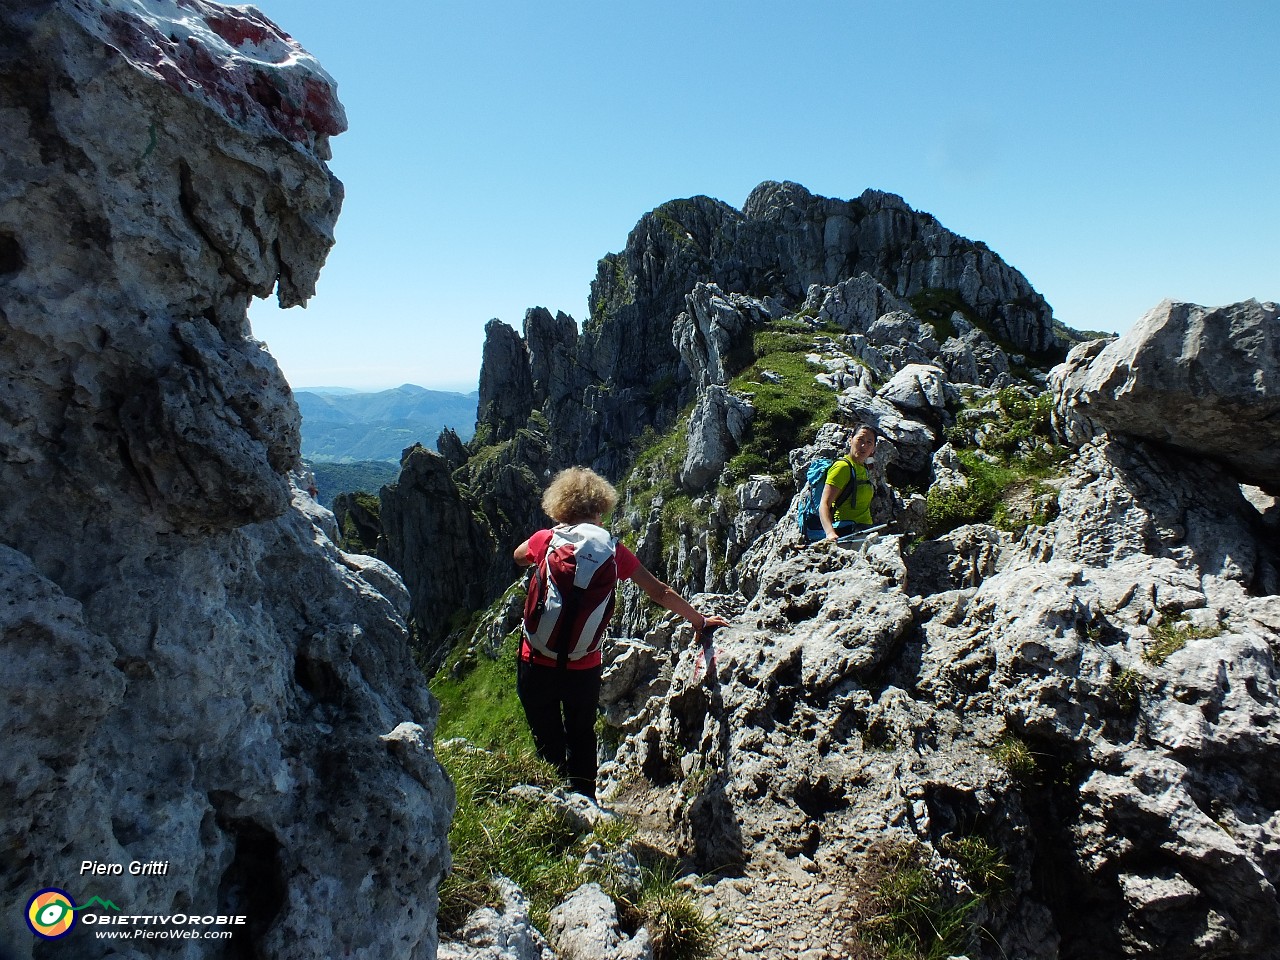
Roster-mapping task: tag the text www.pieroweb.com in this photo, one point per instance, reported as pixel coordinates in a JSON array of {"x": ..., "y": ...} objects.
[{"x": 139, "y": 933}]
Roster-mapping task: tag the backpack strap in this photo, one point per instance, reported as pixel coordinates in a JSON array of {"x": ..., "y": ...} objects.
[
  {"x": 568, "y": 610},
  {"x": 850, "y": 488}
]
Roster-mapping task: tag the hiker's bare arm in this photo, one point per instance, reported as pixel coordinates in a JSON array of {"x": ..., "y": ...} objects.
[
  {"x": 521, "y": 555},
  {"x": 829, "y": 494},
  {"x": 664, "y": 596}
]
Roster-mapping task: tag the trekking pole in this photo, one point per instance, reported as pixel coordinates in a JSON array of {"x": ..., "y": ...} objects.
[{"x": 862, "y": 534}]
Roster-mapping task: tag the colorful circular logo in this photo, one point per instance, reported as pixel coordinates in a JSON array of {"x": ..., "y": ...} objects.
[{"x": 51, "y": 913}]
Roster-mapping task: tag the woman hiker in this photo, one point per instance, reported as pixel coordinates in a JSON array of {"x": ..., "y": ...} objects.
[
  {"x": 844, "y": 511},
  {"x": 559, "y": 667}
]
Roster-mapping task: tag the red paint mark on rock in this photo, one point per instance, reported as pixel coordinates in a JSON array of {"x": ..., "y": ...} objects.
[
  {"x": 239, "y": 28},
  {"x": 265, "y": 77}
]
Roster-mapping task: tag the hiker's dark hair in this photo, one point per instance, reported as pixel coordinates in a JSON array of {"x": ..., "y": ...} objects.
[{"x": 859, "y": 427}]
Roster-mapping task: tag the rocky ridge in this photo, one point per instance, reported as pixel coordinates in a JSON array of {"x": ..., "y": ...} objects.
[
  {"x": 672, "y": 322},
  {"x": 628, "y": 372},
  {"x": 1082, "y": 694},
  {"x": 193, "y": 672}
]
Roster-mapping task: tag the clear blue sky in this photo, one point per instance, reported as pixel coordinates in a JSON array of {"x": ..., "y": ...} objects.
[{"x": 1115, "y": 153}]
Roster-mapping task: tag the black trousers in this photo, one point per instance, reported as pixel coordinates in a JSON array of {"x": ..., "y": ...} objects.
[{"x": 561, "y": 707}]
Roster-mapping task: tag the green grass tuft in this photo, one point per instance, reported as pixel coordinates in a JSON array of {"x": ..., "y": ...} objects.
[
  {"x": 911, "y": 917},
  {"x": 1174, "y": 634},
  {"x": 678, "y": 929},
  {"x": 1016, "y": 758},
  {"x": 494, "y": 833},
  {"x": 1127, "y": 688},
  {"x": 981, "y": 863}
]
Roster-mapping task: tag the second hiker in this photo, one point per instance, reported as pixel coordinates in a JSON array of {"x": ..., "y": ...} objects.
[{"x": 845, "y": 506}]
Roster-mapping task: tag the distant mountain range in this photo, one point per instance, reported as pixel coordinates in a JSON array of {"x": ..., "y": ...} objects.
[{"x": 340, "y": 425}]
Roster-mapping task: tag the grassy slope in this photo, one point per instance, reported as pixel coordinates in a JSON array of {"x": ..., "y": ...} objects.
[{"x": 478, "y": 701}]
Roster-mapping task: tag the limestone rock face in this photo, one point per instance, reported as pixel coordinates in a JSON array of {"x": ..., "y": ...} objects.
[
  {"x": 916, "y": 387},
  {"x": 506, "y": 383},
  {"x": 441, "y": 550},
  {"x": 863, "y": 696},
  {"x": 714, "y": 327},
  {"x": 193, "y": 672},
  {"x": 1186, "y": 510},
  {"x": 858, "y": 302},
  {"x": 827, "y": 241},
  {"x": 973, "y": 358},
  {"x": 1206, "y": 381},
  {"x": 718, "y": 423},
  {"x": 552, "y": 343},
  {"x": 361, "y": 527}
]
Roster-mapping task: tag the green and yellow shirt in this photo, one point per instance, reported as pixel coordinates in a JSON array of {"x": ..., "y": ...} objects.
[{"x": 856, "y": 508}]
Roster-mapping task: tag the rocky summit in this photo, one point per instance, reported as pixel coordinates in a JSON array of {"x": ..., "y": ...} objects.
[{"x": 194, "y": 675}]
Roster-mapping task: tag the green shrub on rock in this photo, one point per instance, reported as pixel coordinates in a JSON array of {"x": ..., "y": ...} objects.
[{"x": 1006, "y": 452}]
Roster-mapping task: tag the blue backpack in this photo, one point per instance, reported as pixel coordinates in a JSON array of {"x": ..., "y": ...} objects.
[{"x": 815, "y": 478}]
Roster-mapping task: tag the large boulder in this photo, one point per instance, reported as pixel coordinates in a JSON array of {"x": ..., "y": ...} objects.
[
  {"x": 1203, "y": 380},
  {"x": 717, "y": 425},
  {"x": 919, "y": 388},
  {"x": 193, "y": 674},
  {"x": 858, "y": 302}
]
